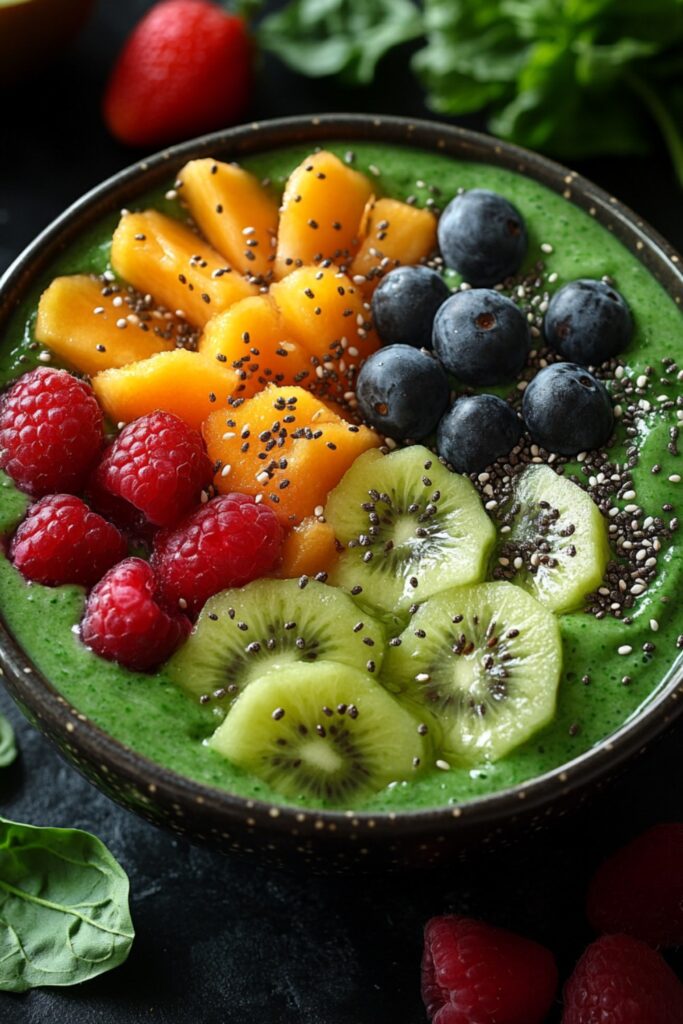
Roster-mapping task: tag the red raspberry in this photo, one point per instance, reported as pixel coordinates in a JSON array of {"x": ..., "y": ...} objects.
[
  {"x": 226, "y": 543},
  {"x": 63, "y": 541},
  {"x": 50, "y": 432},
  {"x": 473, "y": 973},
  {"x": 129, "y": 520},
  {"x": 159, "y": 465},
  {"x": 639, "y": 889},
  {"x": 126, "y": 621},
  {"x": 620, "y": 980}
]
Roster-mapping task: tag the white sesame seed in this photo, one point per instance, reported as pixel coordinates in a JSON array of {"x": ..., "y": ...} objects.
[
  {"x": 619, "y": 372},
  {"x": 637, "y": 588},
  {"x": 228, "y": 434},
  {"x": 98, "y": 310},
  {"x": 45, "y": 357},
  {"x": 644, "y": 405},
  {"x": 262, "y": 477},
  {"x": 624, "y": 649},
  {"x": 641, "y": 381},
  {"x": 318, "y": 510},
  {"x": 226, "y": 470},
  {"x": 422, "y": 677},
  {"x": 546, "y": 247},
  {"x": 443, "y": 765},
  {"x": 171, "y": 194},
  {"x": 518, "y": 562},
  {"x": 204, "y": 497},
  {"x": 109, "y": 275},
  {"x": 618, "y": 411},
  {"x": 654, "y": 625},
  {"x": 122, "y": 322},
  {"x": 552, "y": 278},
  {"x": 182, "y": 603},
  {"x": 675, "y": 478},
  {"x": 258, "y": 499},
  {"x": 490, "y": 505},
  {"x": 629, "y": 496}
]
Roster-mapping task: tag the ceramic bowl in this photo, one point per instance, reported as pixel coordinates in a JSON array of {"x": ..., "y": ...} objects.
[{"x": 329, "y": 840}]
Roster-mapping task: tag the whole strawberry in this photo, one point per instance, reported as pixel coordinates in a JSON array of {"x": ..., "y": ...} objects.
[
  {"x": 473, "y": 973},
  {"x": 620, "y": 980},
  {"x": 639, "y": 889},
  {"x": 184, "y": 70}
]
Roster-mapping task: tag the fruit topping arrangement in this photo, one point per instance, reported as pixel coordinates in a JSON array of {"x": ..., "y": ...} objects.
[{"x": 306, "y": 455}]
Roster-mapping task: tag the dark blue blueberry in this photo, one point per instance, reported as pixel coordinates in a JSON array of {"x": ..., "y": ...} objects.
[
  {"x": 405, "y": 303},
  {"x": 481, "y": 337},
  {"x": 402, "y": 391},
  {"x": 567, "y": 409},
  {"x": 588, "y": 322},
  {"x": 476, "y": 431},
  {"x": 483, "y": 237}
]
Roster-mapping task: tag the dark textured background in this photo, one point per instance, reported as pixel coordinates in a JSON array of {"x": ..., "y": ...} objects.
[{"x": 226, "y": 941}]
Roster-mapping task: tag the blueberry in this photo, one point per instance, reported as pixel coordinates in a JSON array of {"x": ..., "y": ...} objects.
[
  {"x": 483, "y": 237},
  {"x": 405, "y": 303},
  {"x": 481, "y": 337},
  {"x": 476, "y": 431},
  {"x": 402, "y": 391},
  {"x": 588, "y": 322},
  {"x": 567, "y": 410}
]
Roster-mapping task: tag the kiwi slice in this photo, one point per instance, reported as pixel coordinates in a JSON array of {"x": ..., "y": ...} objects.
[
  {"x": 410, "y": 526},
  {"x": 557, "y": 547},
  {"x": 485, "y": 660},
  {"x": 325, "y": 732},
  {"x": 242, "y": 633}
]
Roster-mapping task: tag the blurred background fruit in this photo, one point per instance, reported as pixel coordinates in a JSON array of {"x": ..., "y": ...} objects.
[{"x": 34, "y": 31}]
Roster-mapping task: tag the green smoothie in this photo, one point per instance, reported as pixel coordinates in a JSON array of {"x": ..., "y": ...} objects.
[{"x": 600, "y": 688}]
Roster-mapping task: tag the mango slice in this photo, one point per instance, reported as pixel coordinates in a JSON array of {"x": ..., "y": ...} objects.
[
  {"x": 184, "y": 383},
  {"x": 251, "y": 338},
  {"x": 88, "y": 331},
  {"x": 233, "y": 211},
  {"x": 160, "y": 255},
  {"x": 309, "y": 548},
  {"x": 285, "y": 445},
  {"x": 393, "y": 233},
  {"x": 321, "y": 209},
  {"x": 326, "y": 313}
]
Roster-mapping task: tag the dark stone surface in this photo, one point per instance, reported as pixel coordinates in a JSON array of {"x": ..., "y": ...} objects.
[{"x": 222, "y": 940}]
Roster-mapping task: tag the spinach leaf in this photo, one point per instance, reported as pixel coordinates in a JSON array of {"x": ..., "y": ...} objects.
[
  {"x": 8, "y": 747},
  {"x": 575, "y": 78},
  {"x": 344, "y": 37},
  {"x": 64, "y": 913}
]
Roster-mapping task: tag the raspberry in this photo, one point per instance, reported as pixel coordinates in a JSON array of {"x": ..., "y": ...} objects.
[
  {"x": 129, "y": 519},
  {"x": 126, "y": 621},
  {"x": 473, "y": 973},
  {"x": 63, "y": 541},
  {"x": 620, "y": 980},
  {"x": 159, "y": 465},
  {"x": 226, "y": 543},
  {"x": 50, "y": 432},
  {"x": 639, "y": 889}
]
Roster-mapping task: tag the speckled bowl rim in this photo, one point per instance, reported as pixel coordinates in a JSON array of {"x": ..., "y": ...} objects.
[{"x": 75, "y": 731}]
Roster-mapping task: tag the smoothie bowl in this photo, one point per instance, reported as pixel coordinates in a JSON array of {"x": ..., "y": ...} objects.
[{"x": 340, "y": 488}]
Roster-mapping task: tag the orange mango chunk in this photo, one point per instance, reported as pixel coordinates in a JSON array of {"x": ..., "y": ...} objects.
[
  {"x": 313, "y": 449},
  {"x": 393, "y": 233},
  {"x": 159, "y": 255},
  {"x": 251, "y": 338},
  {"x": 79, "y": 324},
  {"x": 233, "y": 211},
  {"x": 181, "y": 382},
  {"x": 321, "y": 209},
  {"x": 326, "y": 313},
  {"x": 308, "y": 549}
]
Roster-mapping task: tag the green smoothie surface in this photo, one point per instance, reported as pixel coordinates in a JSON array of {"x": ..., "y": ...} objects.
[{"x": 600, "y": 688}]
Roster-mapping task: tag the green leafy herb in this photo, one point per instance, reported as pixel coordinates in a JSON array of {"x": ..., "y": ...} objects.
[
  {"x": 8, "y": 747},
  {"x": 64, "y": 913},
  {"x": 339, "y": 37},
  {"x": 574, "y": 78}
]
